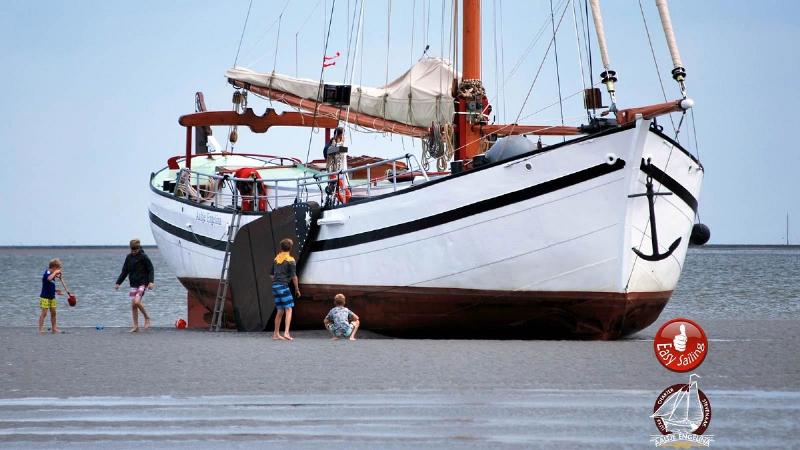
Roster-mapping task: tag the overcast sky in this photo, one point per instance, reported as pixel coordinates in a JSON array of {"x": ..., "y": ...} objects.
[{"x": 92, "y": 91}]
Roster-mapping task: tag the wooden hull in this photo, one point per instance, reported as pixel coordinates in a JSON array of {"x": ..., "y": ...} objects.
[{"x": 463, "y": 313}]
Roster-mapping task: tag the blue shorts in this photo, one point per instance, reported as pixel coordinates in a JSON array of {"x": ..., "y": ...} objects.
[
  {"x": 341, "y": 332},
  {"x": 283, "y": 296}
]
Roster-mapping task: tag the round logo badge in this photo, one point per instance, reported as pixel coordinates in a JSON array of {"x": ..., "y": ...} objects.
[
  {"x": 682, "y": 409},
  {"x": 680, "y": 345}
]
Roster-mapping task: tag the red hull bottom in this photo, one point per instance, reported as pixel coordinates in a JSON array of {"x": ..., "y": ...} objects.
[{"x": 460, "y": 313}]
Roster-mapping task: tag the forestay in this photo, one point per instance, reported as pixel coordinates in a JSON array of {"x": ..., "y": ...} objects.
[{"x": 419, "y": 97}]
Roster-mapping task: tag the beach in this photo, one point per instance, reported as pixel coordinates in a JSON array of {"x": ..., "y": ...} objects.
[{"x": 169, "y": 387}]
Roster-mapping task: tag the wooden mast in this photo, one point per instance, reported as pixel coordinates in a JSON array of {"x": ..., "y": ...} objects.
[{"x": 470, "y": 106}]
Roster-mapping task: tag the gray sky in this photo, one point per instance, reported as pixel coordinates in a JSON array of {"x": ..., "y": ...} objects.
[{"x": 93, "y": 91}]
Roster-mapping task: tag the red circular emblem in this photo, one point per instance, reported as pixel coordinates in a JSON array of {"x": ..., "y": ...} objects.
[{"x": 680, "y": 345}]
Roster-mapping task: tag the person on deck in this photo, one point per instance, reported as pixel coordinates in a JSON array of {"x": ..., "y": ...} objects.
[
  {"x": 47, "y": 298},
  {"x": 284, "y": 270},
  {"x": 340, "y": 321},
  {"x": 336, "y": 141},
  {"x": 139, "y": 270}
]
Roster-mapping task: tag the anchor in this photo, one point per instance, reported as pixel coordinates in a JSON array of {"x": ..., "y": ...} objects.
[{"x": 653, "y": 236}]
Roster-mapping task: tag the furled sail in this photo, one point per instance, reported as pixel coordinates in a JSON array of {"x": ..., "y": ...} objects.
[{"x": 419, "y": 97}]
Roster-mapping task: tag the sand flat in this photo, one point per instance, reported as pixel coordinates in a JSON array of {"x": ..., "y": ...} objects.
[{"x": 168, "y": 387}]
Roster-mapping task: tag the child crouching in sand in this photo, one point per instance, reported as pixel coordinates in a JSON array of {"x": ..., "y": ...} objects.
[
  {"x": 340, "y": 321},
  {"x": 47, "y": 298}
]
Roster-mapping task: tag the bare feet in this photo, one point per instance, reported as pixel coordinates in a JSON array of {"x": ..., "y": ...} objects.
[
  {"x": 56, "y": 330},
  {"x": 146, "y": 323},
  {"x": 278, "y": 337},
  {"x": 287, "y": 337},
  {"x": 133, "y": 330},
  {"x": 41, "y": 330},
  {"x": 334, "y": 338},
  {"x": 352, "y": 338}
]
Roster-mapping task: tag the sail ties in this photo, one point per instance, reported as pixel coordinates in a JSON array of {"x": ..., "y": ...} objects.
[
  {"x": 608, "y": 77},
  {"x": 678, "y": 72}
]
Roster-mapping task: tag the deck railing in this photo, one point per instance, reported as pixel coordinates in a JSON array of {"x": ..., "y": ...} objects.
[{"x": 328, "y": 189}]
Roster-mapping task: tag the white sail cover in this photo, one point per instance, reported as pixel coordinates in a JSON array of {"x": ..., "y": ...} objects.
[{"x": 419, "y": 97}]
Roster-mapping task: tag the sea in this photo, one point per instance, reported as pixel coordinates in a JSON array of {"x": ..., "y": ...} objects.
[{"x": 720, "y": 282}]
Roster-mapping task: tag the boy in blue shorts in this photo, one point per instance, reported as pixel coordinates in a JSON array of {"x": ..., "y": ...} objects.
[
  {"x": 47, "y": 298},
  {"x": 284, "y": 269},
  {"x": 340, "y": 321}
]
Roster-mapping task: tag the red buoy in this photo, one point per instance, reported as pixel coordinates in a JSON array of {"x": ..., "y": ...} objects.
[
  {"x": 180, "y": 324},
  {"x": 72, "y": 300}
]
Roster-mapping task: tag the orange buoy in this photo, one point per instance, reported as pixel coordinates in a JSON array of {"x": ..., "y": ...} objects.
[
  {"x": 343, "y": 193},
  {"x": 180, "y": 324}
]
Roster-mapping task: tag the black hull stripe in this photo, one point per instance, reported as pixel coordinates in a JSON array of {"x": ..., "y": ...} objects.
[
  {"x": 470, "y": 210},
  {"x": 671, "y": 184},
  {"x": 187, "y": 235}
]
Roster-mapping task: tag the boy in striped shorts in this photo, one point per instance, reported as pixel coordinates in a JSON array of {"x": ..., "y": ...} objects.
[{"x": 284, "y": 269}]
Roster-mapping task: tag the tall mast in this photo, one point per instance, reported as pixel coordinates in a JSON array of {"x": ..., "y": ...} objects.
[
  {"x": 678, "y": 72},
  {"x": 471, "y": 95},
  {"x": 608, "y": 77}
]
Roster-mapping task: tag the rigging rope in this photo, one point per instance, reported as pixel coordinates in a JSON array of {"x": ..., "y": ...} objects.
[
  {"x": 580, "y": 54},
  {"x": 527, "y": 96},
  {"x": 502, "y": 92},
  {"x": 413, "y": 24},
  {"x": 241, "y": 38},
  {"x": 321, "y": 75},
  {"x": 558, "y": 74},
  {"x": 588, "y": 42},
  {"x": 497, "y": 75},
  {"x": 277, "y": 42},
  {"x": 694, "y": 133},
  {"x": 350, "y": 35},
  {"x": 297, "y": 34},
  {"x": 256, "y": 47},
  {"x": 655, "y": 62}
]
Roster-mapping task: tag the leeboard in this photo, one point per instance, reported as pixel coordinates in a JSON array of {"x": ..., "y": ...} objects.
[{"x": 253, "y": 250}]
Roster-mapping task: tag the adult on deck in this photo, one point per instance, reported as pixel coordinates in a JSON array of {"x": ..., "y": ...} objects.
[
  {"x": 139, "y": 270},
  {"x": 336, "y": 141}
]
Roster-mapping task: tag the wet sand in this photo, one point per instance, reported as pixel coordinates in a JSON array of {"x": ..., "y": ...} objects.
[{"x": 175, "y": 388}]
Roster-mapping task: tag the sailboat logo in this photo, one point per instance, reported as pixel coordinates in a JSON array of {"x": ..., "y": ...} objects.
[{"x": 682, "y": 412}]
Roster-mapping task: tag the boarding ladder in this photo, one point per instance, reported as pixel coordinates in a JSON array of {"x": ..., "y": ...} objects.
[{"x": 222, "y": 288}]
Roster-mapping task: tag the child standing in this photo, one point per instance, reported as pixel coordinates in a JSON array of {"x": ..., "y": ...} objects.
[
  {"x": 284, "y": 269},
  {"x": 47, "y": 298},
  {"x": 139, "y": 270},
  {"x": 340, "y": 321}
]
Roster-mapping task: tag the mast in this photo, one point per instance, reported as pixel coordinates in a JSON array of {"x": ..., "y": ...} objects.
[
  {"x": 471, "y": 94},
  {"x": 678, "y": 72},
  {"x": 608, "y": 77}
]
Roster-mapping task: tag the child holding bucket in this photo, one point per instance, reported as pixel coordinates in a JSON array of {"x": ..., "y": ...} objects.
[{"x": 47, "y": 297}]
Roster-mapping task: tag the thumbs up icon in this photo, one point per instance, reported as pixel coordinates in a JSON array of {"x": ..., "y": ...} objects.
[{"x": 679, "y": 342}]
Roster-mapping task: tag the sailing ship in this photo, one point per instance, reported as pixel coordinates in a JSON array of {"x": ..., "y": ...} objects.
[
  {"x": 682, "y": 411},
  {"x": 583, "y": 238}
]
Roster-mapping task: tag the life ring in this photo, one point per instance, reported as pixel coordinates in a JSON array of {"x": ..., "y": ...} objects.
[
  {"x": 246, "y": 190},
  {"x": 343, "y": 192}
]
